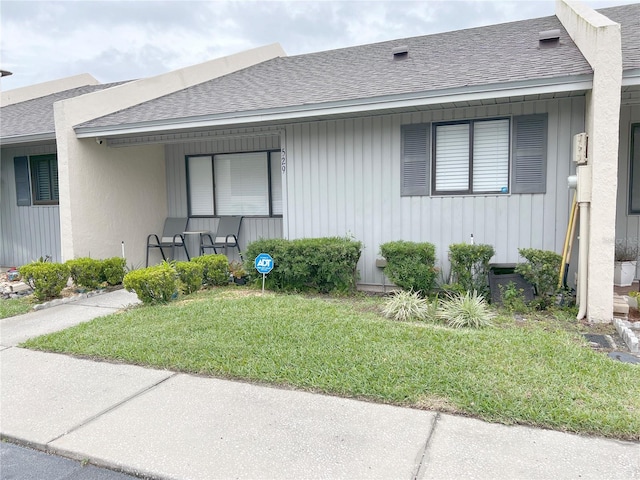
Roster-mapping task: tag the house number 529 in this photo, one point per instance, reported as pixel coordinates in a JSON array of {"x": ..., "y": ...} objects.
[{"x": 283, "y": 160}]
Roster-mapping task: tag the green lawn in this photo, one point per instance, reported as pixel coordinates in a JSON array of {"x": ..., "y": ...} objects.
[
  {"x": 533, "y": 375},
  {"x": 15, "y": 306}
]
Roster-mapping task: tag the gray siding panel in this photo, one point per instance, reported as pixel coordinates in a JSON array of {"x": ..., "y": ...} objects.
[
  {"x": 26, "y": 232},
  {"x": 344, "y": 179},
  {"x": 251, "y": 228}
]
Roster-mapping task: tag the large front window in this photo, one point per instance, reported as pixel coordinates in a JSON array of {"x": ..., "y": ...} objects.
[{"x": 248, "y": 184}]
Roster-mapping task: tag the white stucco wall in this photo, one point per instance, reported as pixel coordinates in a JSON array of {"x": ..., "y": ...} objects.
[
  {"x": 598, "y": 38},
  {"x": 30, "y": 92},
  {"x": 108, "y": 195}
]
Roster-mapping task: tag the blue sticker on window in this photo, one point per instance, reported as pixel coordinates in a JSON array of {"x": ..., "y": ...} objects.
[{"x": 504, "y": 189}]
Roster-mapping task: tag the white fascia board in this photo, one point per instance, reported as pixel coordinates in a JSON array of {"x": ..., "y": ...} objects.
[
  {"x": 19, "y": 139},
  {"x": 631, "y": 77},
  {"x": 355, "y": 106}
]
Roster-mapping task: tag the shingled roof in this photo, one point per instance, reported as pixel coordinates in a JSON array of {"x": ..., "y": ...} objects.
[
  {"x": 464, "y": 59},
  {"x": 628, "y": 16},
  {"x": 35, "y": 117}
]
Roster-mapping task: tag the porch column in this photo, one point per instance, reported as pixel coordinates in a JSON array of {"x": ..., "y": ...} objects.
[{"x": 598, "y": 38}]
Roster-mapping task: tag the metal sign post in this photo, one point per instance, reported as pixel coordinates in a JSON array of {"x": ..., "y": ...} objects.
[{"x": 263, "y": 264}]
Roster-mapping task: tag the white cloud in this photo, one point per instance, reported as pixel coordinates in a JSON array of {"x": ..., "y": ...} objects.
[{"x": 119, "y": 40}]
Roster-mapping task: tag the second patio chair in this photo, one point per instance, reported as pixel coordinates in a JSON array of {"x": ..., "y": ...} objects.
[{"x": 226, "y": 236}]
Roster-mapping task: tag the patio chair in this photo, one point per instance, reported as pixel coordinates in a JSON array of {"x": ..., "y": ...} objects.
[
  {"x": 172, "y": 236},
  {"x": 226, "y": 236}
]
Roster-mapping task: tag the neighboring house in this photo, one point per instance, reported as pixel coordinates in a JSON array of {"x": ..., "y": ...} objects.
[
  {"x": 430, "y": 138},
  {"x": 29, "y": 212}
]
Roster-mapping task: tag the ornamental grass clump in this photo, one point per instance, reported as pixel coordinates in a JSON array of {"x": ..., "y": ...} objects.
[
  {"x": 408, "y": 305},
  {"x": 466, "y": 310}
]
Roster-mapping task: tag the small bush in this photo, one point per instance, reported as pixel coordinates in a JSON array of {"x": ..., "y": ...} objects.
[
  {"x": 190, "y": 276},
  {"x": 513, "y": 298},
  {"x": 47, "y": 279},
  {"x": 85, "y": 272},
  {"x": 410, "y": 265},
  {"x": 157, "y": 284},
  {"x": 541, "y": 270},
  {"x": 113, "y": 270},
  {"x": 215, "y": 269},
  {"x": 405, "y": 305},
  {"x": 466, "y": 310},
  {"x": 470, "y": 266},
  {"x": 325, "y": 265}
]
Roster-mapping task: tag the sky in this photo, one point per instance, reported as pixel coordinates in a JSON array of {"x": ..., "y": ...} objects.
[{"x": 124, "y": 40}]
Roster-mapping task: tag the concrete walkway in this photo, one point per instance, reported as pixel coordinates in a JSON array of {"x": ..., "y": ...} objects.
[{"x": 177, "y": 426}]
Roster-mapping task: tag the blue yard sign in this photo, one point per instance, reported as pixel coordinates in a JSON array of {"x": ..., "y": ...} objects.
[{"x": 263, "y": 264}]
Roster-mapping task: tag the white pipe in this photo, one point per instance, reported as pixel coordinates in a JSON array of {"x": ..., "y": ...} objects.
[{"x": 583, "y": 257}]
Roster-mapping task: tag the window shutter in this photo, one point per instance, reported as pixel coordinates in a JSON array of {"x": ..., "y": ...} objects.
[
  {"x": 530, "y": 154},
  {"x": 21, "y": 169},
  {"x": 415, "y": 160}
]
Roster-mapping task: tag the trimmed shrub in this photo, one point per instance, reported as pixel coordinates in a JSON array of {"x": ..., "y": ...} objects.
[
  {"x": 85, "y": 272},
  {"x": 46, "y": 279},
  {"x": 541, "y": 270},
  {"x": 466, "y": 310},
  {"x": 325, "y": 265},
  {"x": 470, "y": 267},
  {"x": 190, "y": 276},
  {"x": 410, "y": 265},
  {"x": 215, "y": 269},
  {"x": 113, "y": 270},
  {"x": 157, "y": 284}
]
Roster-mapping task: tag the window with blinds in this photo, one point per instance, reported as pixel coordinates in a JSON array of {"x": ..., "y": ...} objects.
[
  {"x": 248, "y": 184},
  {"x": 471, "y": 157}
]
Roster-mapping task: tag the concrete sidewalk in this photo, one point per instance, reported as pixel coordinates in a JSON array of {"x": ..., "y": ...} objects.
[{"x": 167, "y": 425}]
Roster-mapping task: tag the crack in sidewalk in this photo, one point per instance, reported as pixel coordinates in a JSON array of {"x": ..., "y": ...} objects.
[
  {"x": 111, "y": 408},
  {"x": 419, "y": 468}
]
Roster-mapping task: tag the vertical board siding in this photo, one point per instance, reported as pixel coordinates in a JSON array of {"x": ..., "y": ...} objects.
[
  {"x": 252, "y": 228},
  {"x": 627, "y": 225},
  {"x": 344, "y": 179},
  {"x": 29, "y": 232}
]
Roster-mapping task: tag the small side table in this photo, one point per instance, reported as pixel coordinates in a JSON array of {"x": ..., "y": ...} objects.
[{"x": 190, "y": 234}]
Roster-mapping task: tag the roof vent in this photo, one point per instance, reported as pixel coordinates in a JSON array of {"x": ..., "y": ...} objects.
[
  {"x": 549, "y": 38},
  {"x": 400, "y": 52}
]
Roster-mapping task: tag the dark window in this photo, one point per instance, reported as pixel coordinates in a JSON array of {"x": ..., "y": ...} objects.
[{"x": 44, "y": 179}]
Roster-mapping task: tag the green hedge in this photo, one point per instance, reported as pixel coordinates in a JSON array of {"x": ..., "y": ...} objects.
[
  {"x": 410, "y": 265},
  {"x": 46, "y": 279},
  {"x": 215, "y": 269},
  {"x": 85, "y": 272},
  {"x": 470, "y": 267},
  {"x": 541, "y": 270},
  {"x": 113, "y": 270},
  {"x": 190, "y": 276},
  {"x": 157, "y": 284},
  {"x": 325, "y": 265}
]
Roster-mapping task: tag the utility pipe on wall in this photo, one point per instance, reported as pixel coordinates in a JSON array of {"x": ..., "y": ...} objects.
[
  {"x": 583, "y": 194},
  {"x": 583, "y": 259}
]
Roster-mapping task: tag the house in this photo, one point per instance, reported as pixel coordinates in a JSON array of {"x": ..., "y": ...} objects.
[{"x": 430, "y": 138}]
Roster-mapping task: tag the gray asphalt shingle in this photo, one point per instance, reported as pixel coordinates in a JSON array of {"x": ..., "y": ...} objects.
[
  {"x": 493, "y": 54},
  {"x": 34, "y": 117}
]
